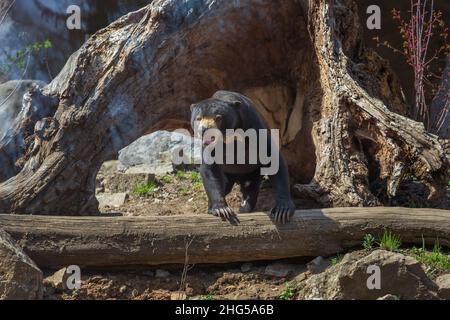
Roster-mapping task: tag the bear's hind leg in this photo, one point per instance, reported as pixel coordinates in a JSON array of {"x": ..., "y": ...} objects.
[{"x": 250, "y": 191}]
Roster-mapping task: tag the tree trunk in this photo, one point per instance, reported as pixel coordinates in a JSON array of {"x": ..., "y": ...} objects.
[
  {"x": 302, "y": 62},
  {"x": 119, "y": 241}
]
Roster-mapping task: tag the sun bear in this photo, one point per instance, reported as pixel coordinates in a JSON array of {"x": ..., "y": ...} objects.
[{"x": 225, "y": 114}]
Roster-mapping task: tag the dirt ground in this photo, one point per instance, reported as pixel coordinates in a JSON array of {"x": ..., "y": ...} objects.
[
  {"x": 184, "y": 194},
  {"x": 228, "y": 282}
]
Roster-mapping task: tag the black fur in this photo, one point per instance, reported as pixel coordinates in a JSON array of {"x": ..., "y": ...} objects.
[{"x": 238, "y": 112}]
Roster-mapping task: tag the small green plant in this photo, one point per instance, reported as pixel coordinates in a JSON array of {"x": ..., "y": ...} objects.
[
  {"x": 208, "y": 297},
  {"x": 390, "y": 242},
  {"x": 335, "y": 260},
  {"x": 19, "y": 60},
  {"x": 185, "y": 191},
  {"x": 368, "y": 242},
  {"x": 180, "y": 175},
  {"x": 198, "y": 186},
  {"x": 288, "y": 292},
  {"x": 195, "y": 177},
  {"x": 436, "y": 260},
  {"x": 144, "y": 189},
  {"x": 166, "y": 179}
]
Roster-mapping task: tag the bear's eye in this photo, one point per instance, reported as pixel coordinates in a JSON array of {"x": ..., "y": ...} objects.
[
  {"x": 218, "y": 118},
  {"x": 199, "y": 118}
]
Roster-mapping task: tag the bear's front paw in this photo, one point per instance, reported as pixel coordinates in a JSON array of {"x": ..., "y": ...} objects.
[
  {"x": 225, "y": 213},
  {"x": 283, "y": 211}
]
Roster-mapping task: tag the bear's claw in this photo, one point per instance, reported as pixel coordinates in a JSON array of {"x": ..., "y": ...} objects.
[
  {"x": 226, "y": 214},
  {"x": 282, "y": 212}
]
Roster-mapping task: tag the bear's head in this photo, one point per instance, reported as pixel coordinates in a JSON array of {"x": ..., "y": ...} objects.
[{"x": 212, "y": 115}]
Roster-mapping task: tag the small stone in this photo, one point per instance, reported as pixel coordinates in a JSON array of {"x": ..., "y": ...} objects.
[
  {"x": 246, "y": 267},
  {"x": 178, "y": 295},
  {"x": 389, "y": 297},
  {"x": 113, "y": 200},
  {"x": 278, "y": 270},
  {"x": 443, "y": 283},
  {"x": 58, "y": 279},
  {"x": 318, "y": 265},
  {"x": 300, "y": 278},
  {"x": 162, "y": 273},
  {"x": 123, "y": 289}
]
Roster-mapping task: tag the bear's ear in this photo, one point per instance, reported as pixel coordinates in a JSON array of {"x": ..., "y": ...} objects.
[
  {"x": 192, "y": 107},
  {"x": 236, "y": 104}
]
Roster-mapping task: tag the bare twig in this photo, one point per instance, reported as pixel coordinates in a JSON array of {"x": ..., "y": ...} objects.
[{"x": 186, "y": 266}]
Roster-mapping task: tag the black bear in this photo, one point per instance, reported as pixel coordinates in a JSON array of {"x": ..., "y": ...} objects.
[{"x": 231, "y": 112}]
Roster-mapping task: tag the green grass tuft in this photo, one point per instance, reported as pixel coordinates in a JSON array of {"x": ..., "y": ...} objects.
[
  {"x": 166, "y": 179},
  {"x": 144, "y": 189},
  {"x": 181, "y": 175},
  {"x": 288, "y": 293},
  {"x": 390, "y": 242},
  {"x": 436, "y": 260},
  {"x": 195, "y": 177},
  {"x": 335, "y": 260}
]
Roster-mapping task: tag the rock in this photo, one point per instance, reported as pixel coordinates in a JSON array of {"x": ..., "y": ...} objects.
[
  {"x": 109, "y": 167},
  {"x": 443, "y": 282},
  {"x": 58, "y": 280},
  {"x": 123, "y": 289},
  {"x": 20, "y": 278},
  {"x": 114, "y": 200},
  {"x": 246, "y": 267},
  {"x": 400, "y": 275},
  {"x": 279, "y": 270},
  {"x": 162, "y": 273},
  {"x": 318, "y": 265},
  {"x": 178, "y": 295},
  {"x": 148, "y": 273},
  {"x": 299, "y": 278},
  {"x": 153, "y": 153},
  {"x": 389, "y": 297}
]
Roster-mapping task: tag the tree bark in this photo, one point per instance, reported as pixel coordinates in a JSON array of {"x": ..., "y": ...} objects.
[
  {"x": 120, "y": 242},
  {"x": 337, "y": 104}
]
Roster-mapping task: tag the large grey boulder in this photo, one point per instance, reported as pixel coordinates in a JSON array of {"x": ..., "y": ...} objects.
[
  {"x": 400, "y": 276},
  {"x": 153, "y": 153},
  {"x": 20, "y": 278}
]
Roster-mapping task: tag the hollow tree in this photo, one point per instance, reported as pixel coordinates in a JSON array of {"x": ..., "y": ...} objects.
[{"x": 338, "y": 105}]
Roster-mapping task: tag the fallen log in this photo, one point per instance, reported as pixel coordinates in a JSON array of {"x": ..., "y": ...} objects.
[{"x": 125, "y": 241}]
